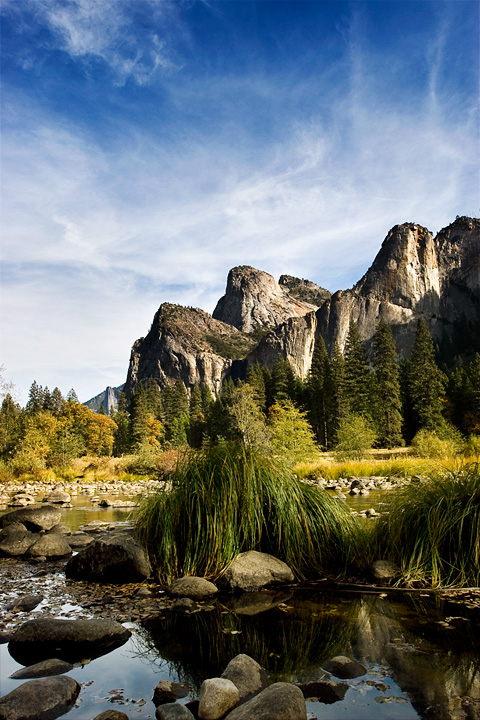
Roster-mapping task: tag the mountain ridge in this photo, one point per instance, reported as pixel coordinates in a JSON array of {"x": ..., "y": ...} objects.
[{"x": 413, "y": 275}]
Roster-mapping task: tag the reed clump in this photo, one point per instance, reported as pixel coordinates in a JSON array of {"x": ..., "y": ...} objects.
[
  {"x": 431, "y": 528},
  {"x": 226, "y": 499}
]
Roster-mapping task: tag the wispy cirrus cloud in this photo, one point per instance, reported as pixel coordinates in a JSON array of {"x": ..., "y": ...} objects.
[
  {"x": 108, "y": 30},
  {"x": 301, "y": 172}
]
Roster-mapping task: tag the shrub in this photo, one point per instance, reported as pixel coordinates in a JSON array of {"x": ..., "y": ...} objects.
[
  {"x": 432, "y": 528},
  {"x": 429, "y": 444},
  {"x": 226, "y": 499},
  {"x": 355, "y": 436}
]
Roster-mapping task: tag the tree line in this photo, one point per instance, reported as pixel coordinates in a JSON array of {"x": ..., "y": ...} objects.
[{"x": 344, "y": 396}]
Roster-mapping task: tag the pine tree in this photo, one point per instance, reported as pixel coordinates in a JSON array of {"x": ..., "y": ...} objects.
[
  {"x": 197, "y": 417},
  {"x": 57, "y": 401},
  {"x": 35, "y": 398},
  {"x": 283, "y": 381},
  {"x": 357, "y": 374},
  {"x": 139, "y": 415},
  {"x": 388, "y": 405},
  {"x": 426, "y": 383},
  {"x": 316, "y": 386},
  {"x": 10, "y": 426},
  {"x": 256, "y": 378},
  {"x": 337, "y": 404},
  {"x": 154, "y": 398}
]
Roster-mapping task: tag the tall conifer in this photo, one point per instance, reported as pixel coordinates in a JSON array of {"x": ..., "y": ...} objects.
[
  {"x": 357, "y": 374},
  {"x": 426, "y": 383},
  {"x": 388, "y": 405}
]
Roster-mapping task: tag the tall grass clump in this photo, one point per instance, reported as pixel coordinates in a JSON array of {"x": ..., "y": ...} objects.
[
  {"x": 432, "y": 529},
  {"x": 226, "y": 499}
]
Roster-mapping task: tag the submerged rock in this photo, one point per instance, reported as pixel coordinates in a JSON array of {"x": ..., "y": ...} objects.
[
  {"x": 343, "y": 667},
  {"x": 173, "y": 711},
  {"x": 45, "y": 668},
  {"x": 69, "y": 640},
  {"x": 44, "y": 699},
  {"x": 324, "y": 691},
  {"x": 252, "y": 570},
  {"x": 168, "y": 691}
]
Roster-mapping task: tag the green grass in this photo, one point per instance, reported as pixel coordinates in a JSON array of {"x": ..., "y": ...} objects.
[
  {"x": 432, "y": 529},
  {"x": 225, "y": 500}
]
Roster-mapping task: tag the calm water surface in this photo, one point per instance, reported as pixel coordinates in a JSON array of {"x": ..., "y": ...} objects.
[{"x": 420, "y": 660}]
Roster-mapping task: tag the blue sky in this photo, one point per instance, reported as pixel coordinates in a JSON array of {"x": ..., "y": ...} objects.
[{"x": 148, "y": 146}]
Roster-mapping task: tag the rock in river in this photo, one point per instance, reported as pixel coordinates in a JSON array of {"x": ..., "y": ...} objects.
[
  {"x": 44, "y": 699},
  {"x": 252, "y": 570},
  {"x": 69, "y": 640},
  {"x": 44, "y": 517},
  {"x": 116, "y": 558},
  {"x": 280, "y": 701}
]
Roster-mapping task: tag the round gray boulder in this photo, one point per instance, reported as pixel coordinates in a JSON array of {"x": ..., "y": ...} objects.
[
  {"x": 15, "y": 540},
  {"x": 252, "y": 570},
  {"x": 51, "y": 545},
  {"x": 217, "y": 697},
  {"x": 173, "y": 711},
  {"x": 343, "y": 667},
  {"x": 42, "y": 517},
  {"x": 246, "y": 674},
  {"x": 69, "y": 640},
  {"x": 44, "y": 699},
  {"x": 193, "y": 587},
  {"x": 114, "y": 559},
  {"x": 280, "y": 701}
]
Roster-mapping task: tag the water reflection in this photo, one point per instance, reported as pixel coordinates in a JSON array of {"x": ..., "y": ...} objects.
[{"x": 403, "y": 639}]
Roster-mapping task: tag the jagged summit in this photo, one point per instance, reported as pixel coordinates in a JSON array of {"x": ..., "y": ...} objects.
[{"x": 253, "y": 299}]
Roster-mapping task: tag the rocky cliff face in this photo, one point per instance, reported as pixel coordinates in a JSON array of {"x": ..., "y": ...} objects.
[
  {"x": 253, "y": 299},
  {"x": 186, "y": 343},
  {"x": 414, "y": 275}
]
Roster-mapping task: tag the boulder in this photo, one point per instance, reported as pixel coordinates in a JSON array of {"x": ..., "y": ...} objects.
[
  {"x": 280, "y": 701},
  {"x": 111, "y": 715},
  {"x": 114, "y": 559},
  {"x": 173, "y": 711},
  {"x": 193, "y": 587},
  {"x": 384, "y": 571},
  {"x": 168, "y": 691},
  {"x": 44, "y": 699},
  {"x": 61, "y": 528},
  {"x": 69, "y": 640},
  {"x": 51, "y": 545},
  {"x": 246, "y": 674},
  {"x": 25, "y": 603},
  {"x": 57, "y": 495},
  {"x": 343, "y": 667},
  {"x": 184, "y": 605},
  {"x": 21, "y": 500},
  {"x": 252, "y": 570},
  {"x": 217, "y": 697},
  {"x": 324, "y": 691},
  {"x": 79, "y": 540},
  {"x": 254, "y": 603},
  {"x": 42, "y": 517},
  {"x": 46, "y": 668},
  {"x": 15, "y": 540}
]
